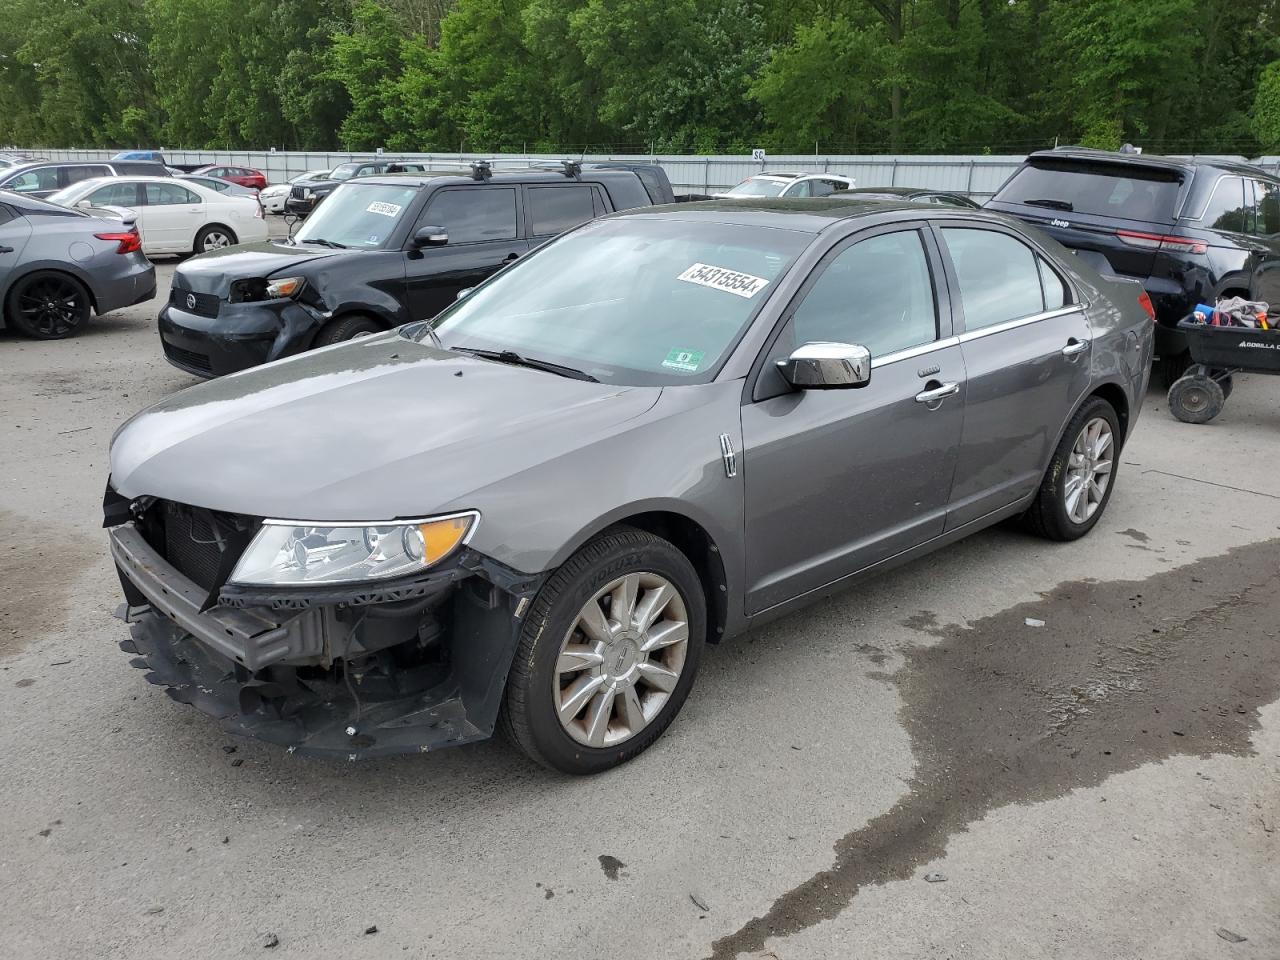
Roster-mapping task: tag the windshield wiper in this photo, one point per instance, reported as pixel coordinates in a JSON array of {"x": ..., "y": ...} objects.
[
  {"x": 320, "y": 242},
  {"x": 1051, "y": 204},
  {"x": 515, "y": 359}
]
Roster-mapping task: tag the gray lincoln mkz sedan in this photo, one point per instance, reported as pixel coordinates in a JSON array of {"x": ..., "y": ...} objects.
[{"x": 654, "y": 432}]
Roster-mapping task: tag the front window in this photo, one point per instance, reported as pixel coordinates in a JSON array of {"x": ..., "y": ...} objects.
[
  {"x": 630, "y": 301},
  {"x": 358, "y": 215},
  {"x": 759, "y": 187}
]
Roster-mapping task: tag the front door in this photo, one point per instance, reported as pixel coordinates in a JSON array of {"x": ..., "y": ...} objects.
[
  {"x": 15, "y": 231},
  {"x": 839, "y": 480},
  {"x": 482, "y": 224},
  {"x": 1026, "y": 348}
]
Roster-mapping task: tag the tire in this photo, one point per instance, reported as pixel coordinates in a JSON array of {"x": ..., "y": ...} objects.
[
  {"x": 1227, "y": 385},
  {"x": 214, "y": 237},
  {"x": 1054, "y": 513},
  {"x": 47, "y": 305},
  {"x": 346, "y": 328},
  {"x": 1196, "y": 399},
  {"x": 542, "y": 681},
  {"x": 1173, "y": 367}
]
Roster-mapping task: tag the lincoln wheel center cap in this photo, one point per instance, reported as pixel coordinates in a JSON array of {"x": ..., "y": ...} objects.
[{"x": 621, "y": 656}]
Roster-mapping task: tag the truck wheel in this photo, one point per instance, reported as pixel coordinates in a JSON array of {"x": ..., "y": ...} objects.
[
  {"x": 1077, "y": 486},
  {"x": 47, "y": 305},
  {"x": 1173, "y": 367},
  {"x": 607, "y": 654},
  {"x": 1196, "y": 399},
  {"x": 346, "y": 328}
]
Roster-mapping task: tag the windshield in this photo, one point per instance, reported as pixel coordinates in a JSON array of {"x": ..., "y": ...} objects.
[
  {"x": 344, "y": 172},
  {"x": 1128, "y": 191},
  {"x": 629, "y": 301},
  {"x": 756, "y": 187},
  {"x": 357, "y": 215}
]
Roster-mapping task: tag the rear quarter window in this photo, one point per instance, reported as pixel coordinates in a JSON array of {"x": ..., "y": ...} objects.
[{"x": 1124, "y": 191}]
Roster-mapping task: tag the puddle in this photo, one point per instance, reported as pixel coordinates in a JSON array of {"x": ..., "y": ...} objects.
[{"x": 1123, "y": 673}]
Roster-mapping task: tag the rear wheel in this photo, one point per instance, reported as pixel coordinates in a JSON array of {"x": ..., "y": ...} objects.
[
  {"x": 607, "y": 654},
  {"x": 346, "y": 328},
  {"x": 47, "y": 305},
  {"x": 1077, "y": 486},
  {"x": 214, "y": 237},
  {"x": 1196, "y": 399}
]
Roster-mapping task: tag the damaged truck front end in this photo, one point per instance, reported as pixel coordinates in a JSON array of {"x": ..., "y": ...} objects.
[{"x": 354, "y": 669}]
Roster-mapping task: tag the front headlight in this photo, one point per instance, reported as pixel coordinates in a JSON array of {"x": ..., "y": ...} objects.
[
  {"x": 306, "y": 193},
  {"x": 289, "y": 553},
  {"x": 284, "y": 287}
]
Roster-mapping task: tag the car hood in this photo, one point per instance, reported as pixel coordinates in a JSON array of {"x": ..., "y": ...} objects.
[
  {"x": 381, "y": 428},
  {"x": 214, "y": 271}
]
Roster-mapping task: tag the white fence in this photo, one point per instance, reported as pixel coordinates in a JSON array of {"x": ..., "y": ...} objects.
[{"x": 979, "y": 175}]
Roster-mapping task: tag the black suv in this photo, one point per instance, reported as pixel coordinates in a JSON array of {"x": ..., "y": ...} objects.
[
  {"x": 381, "y": 251},
  {"x": 47, "y": 177},
  {"x": 1190, "y": 230},
  {"x": 305, "y": 197}
]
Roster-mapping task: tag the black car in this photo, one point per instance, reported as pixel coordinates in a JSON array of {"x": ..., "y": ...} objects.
[
  {"x": 46, "y": 177},
  {"x": 1191, "y": 230},
  {"x": 305, "y": 197},
  {"x": 380, "y": 252},
  {"x": 945, "y": 198}
]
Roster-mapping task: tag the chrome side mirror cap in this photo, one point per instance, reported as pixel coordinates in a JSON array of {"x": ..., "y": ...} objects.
[{"x": 827, "y": 366}]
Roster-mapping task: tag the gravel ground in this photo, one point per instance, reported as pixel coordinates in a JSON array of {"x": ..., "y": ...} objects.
[{"x": 907, "y": 769}]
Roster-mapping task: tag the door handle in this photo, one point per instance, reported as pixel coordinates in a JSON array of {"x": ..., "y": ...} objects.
[
  {"x": 6, "y": 249},
  {"x": 510, "y": 256},
  {"x": 1074, "y": 348},
  {"x": 940, "y": 392}
]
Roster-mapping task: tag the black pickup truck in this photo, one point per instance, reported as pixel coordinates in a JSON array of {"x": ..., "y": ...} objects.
[{"x": 381, "y": 251}]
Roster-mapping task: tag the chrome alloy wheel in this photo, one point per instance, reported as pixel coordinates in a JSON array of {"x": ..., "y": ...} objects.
[
  {"x": 621, "y": 659},
  {"x": 216, "y": 240},
  {"x": 1088, "y": 470}
]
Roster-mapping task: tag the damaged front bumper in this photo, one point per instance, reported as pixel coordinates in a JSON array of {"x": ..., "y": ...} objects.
[{"x": 353, "y": 672}]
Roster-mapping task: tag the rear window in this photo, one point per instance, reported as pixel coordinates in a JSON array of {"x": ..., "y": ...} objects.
[{"x": 1098, "y": 189}]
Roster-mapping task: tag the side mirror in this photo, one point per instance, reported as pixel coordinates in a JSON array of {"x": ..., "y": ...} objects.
[
  {"x": 430, "y": 236},
  {"x": 827, "y": 366},
  {"x": 464, "y": 293},
  {"x": 84, "y": 204}
]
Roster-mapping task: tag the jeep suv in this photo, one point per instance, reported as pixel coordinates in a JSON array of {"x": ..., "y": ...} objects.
[
  {"x": 305, "y": 197},
  {"x": 1190, "y": 230},
  {"x": 379, "y": 252}
]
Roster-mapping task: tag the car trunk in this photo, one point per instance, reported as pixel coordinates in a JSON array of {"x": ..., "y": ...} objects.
[{"x": 1114, "y": 210}]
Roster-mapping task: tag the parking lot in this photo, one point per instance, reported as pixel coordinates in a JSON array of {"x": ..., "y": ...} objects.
[{"x": 1011, "y": 749}]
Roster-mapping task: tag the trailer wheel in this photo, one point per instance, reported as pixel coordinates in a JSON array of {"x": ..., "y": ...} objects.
[{"x": 1196, "y": 398}]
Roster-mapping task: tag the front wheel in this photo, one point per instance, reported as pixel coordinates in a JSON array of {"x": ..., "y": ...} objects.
[
  {"x": 346, "y": 328},
  {"x": 1077, "y": 486},
  {"x": 607, "y": 654}
]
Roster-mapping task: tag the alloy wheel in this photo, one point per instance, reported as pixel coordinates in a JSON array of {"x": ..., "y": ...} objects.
[
  {"x": 52, "y": 307},
  {"x": 216, "y": 239},
  {"x": 621, "y": 660},
  {"x": 1089, "y": 470}
]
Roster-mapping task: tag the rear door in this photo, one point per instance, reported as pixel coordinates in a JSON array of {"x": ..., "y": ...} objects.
[
  {"x": 1026, "y": 347},
  {"x": 551, "y": 209},
  {"x": 483, "y": 223},
  {"x": 839, "y": 480},
  {"x": 1107, "y": 211},
  {"x": 170, "y": 217}
]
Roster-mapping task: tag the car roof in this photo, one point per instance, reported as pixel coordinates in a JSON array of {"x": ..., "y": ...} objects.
[
  {"x": 886, "y": 191},
  {"x": 530, "y": 175},
  {"x": 807, "y": 215},
  {"x": 1149, "y": 160}
]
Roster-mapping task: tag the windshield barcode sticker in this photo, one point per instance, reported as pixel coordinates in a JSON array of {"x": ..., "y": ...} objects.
[
  {"x": 730, "y": 281},
  {"x": 386, "y": 209}
]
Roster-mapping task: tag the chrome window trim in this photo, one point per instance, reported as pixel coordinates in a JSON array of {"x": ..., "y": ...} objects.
[
  {"x": 1019, "y": 322},
  {"x": 911, "y": 352},
  {"x": 1204, "y": 207}
]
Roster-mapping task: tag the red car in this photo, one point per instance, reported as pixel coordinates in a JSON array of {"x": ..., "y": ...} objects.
[{"x": 245, "y": 176}]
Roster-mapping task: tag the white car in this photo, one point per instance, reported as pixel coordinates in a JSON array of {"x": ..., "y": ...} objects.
[
  {"x": 174, "y": 216},
  {"x": 788, "y": 185},
  {"x": 274, "y": 196}
]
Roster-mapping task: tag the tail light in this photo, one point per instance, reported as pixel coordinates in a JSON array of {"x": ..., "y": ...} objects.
[
  {"x": 1144, "y": 301},
  {"x": 130, "y": 241},
  {"x": 1159, "y": 241}
]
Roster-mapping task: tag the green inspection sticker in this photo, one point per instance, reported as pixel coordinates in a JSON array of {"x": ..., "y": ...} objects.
[{"x": 686, "y": 360}]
